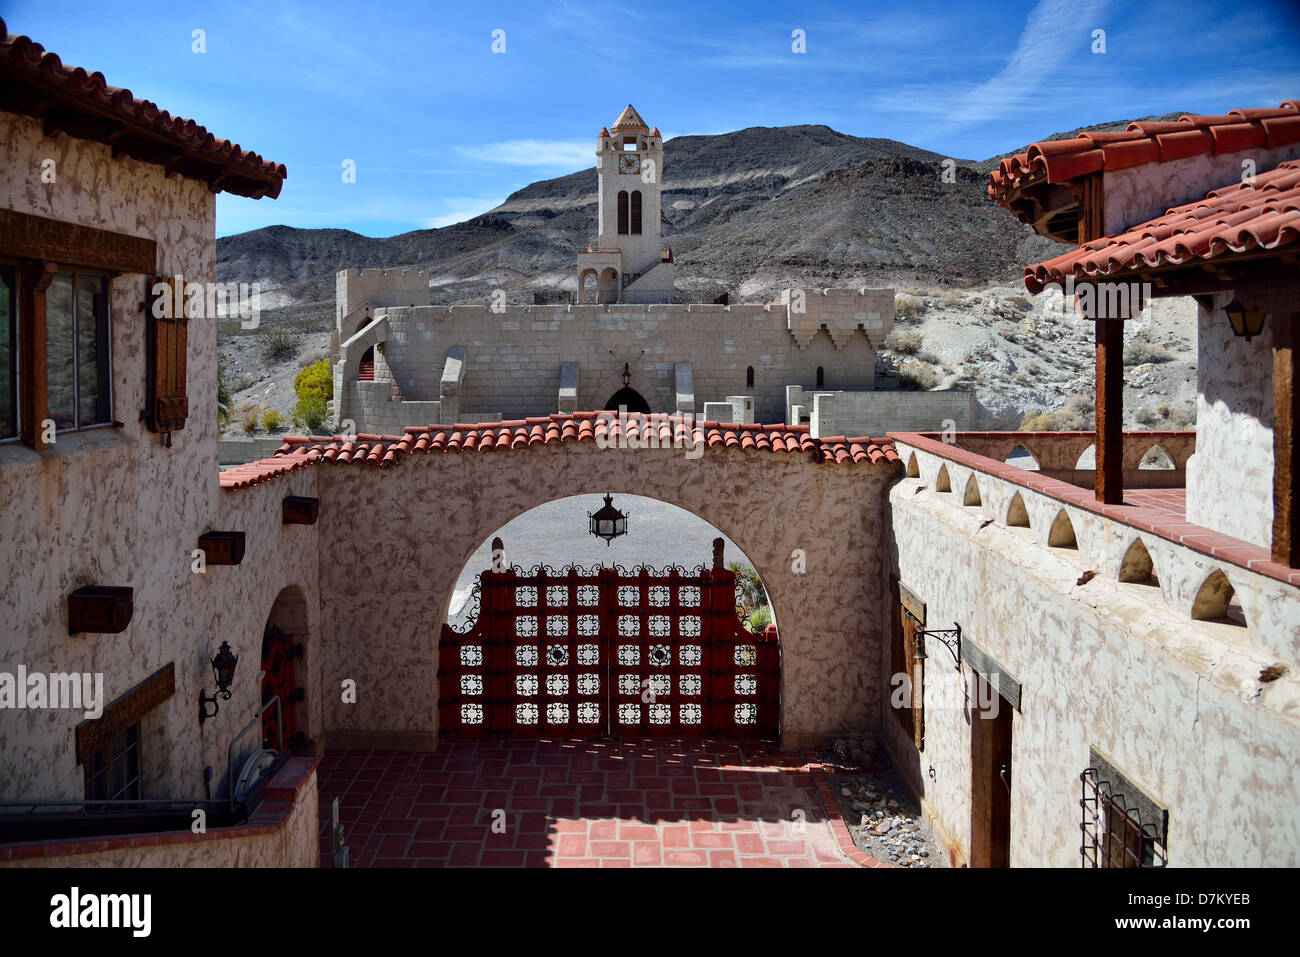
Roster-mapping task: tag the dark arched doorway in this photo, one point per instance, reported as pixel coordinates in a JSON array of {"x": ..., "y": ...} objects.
[{"x": 628, "y": 398}]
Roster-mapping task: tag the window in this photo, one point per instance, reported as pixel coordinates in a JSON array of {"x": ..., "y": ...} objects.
[
  {"x": 1122, "y": 826},
  {"x": 76, "y": 351},
  {"x": 636, "y": 212},
  {"x": 821, "y": 377},
  {"x": 622, "y": 212},
  {"x": 113, "y": 772},
  {"x": 8, "y": 352},
  {"x": 749, "y": 377}
]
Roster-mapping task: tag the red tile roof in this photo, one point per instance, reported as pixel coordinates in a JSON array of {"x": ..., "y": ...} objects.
[
  {"x": 1057, "y": 161},
  {"x": 1244, "y": 217},
  {"x": 388, "y": 450},
  {"x": 82, "y": 104}
]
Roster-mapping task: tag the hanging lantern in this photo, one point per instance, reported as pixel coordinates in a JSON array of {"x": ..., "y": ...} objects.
[
  {"x": 608, "y": 523},
  {"x": 1244, "y": 324}
]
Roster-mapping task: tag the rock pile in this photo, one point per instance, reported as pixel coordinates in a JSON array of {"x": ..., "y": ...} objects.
[{"x": 885, "y": 829}]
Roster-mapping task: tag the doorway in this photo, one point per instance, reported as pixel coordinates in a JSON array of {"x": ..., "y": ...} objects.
[
  {"x": 990, "y": 746},
  {"x": 629, "y": 399}
]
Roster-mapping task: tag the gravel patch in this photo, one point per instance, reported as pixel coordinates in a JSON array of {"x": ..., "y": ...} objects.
[{"x": 885, "y": 822}]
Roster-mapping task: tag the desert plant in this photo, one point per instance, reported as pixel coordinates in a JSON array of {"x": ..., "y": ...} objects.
[
  {"x": 907, "y": 308},
  {"x": 271, "y": 420},
  {"x": 314, "y": 387},
  {"x": 1140, "y": 351},
  {"x": 904, "y": 343},
  {"x": 759, "y": 619},
  {"x": 224, "y": 397},
  {"x": 915, "y": 375},
  {"x": 246, "y": 415},
  {"x": 750, "y": 594},
  {"x": 277, "y": 346}
]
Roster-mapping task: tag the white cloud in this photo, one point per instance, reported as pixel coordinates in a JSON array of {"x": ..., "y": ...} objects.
[
  {"x": 457, "y": 209},
  {"x": 538, "y": 154}
]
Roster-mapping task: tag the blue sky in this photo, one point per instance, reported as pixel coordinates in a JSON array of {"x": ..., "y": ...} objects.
[{"x": 441, "y": 128}]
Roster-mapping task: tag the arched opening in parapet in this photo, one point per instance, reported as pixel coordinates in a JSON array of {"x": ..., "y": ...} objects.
[
  {"x": 1156, "y": 458},
  {"x": 1061, "y": 534},
  {"x": 1017, "y": 514},
  {"x": 972, "y": 494},
  {"x": 913, "y": 470},
  {"x": 581, "y": 629},
  {"x": 1216, "y": 600},
  {"x": 1022, "y": 458},
  {"x": 941, "y": 482},
  {"x": 366, "y": 365},
  {"x": 589, "y": 288},
  {"x": 1087, "y": 458},
  {"x": 1137, "y": 566},
  {"x": 629, "y": 399}
]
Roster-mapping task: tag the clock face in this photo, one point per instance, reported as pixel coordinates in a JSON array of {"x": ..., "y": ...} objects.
[{"x": 629, "y": 163}]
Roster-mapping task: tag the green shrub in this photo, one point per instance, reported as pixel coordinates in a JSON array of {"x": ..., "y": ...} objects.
[
  {"x": 271, "y": 420},
  {"x": 314, "y": 387},
  {"x": 246, "y": 415},
  {"x": 224, "y": 398}
]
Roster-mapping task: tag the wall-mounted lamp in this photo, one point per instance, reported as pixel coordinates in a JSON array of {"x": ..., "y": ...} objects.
[
  {"x": 1244, "y": 324},
  {"x": 223, "y": 670},
  {"x": 951, "y": 639}
]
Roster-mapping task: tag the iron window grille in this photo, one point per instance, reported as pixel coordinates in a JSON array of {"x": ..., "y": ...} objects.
[
  {"x": 113, "y": 772},
  {"x": 1121, "y": 828}
]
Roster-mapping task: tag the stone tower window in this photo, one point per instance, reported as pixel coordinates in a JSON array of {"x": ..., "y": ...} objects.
[
  {"x": 636, "y": 212},
  {"x": 749, "y": 377},
  {"x": 821, "y": 377},
  {"x": 622, "y": 212}
]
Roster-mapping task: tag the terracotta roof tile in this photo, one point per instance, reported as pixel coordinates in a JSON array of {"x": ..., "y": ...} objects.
[
  {"x": 497, "y": 437},
  {"x": 1058, "y": 161},
  {"x": 26, "y": 65},
  {"x": 1243, "y": 217}
]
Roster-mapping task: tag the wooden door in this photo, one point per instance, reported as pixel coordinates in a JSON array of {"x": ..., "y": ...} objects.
[{"x": 991, "y": 778}]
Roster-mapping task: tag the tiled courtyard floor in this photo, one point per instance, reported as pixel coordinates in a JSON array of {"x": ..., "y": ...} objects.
[{"x": 577, "y": 803}]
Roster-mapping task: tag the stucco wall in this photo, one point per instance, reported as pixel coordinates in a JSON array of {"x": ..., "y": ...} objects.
[
  {"x": 399, "y": 538},
  {"x": 114, "y": 506},
  {"x": 1230, "y": 478},
  {"x": 1105, "y": 664}
]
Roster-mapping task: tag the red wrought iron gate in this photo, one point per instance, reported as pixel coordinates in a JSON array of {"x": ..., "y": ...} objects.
[{"x": 606, "y": 652}]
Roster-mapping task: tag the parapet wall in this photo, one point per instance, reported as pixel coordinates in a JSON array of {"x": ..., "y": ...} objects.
[{"x": 380, "y": 287}]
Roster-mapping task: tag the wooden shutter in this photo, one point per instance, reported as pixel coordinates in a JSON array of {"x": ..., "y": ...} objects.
[
  {"x": 168, "y": 404},
  {"x": 916, "y": 674}
]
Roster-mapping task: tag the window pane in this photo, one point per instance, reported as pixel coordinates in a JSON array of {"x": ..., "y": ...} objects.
[
  {"x": 92, "y": 349},
  {"x": 60, "y": 402},
  {"x": 8, "y": 354}
]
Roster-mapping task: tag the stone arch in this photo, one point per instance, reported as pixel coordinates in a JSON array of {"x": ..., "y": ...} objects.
[
  {"x": 628, "y": 398},
  {"x": 287, "y": 657},
  {"x": 913, "y": 470},
  {"x": 609, "y": 284},
  {"x": 941, "y": 482},
  {"x": 1020, "y": 449},
  {"x": 1087, "y": 458},
  {"x": 971, "y": 496},
  {"x": 1017, "y": 514},
  {"x": 1213, "y": 598},
  {"x": 589, "y": 286},
  {"x": 1161, "y": 460},
  {"x": 1061, "y": 534},
  {"x": 1137, "y": 566}
]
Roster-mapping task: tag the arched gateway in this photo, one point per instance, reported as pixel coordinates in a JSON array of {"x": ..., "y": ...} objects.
[{"x": 609, "y": 652}]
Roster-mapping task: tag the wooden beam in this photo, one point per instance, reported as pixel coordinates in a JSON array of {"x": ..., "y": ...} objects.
[
  {"x": 299, "y": 510},
  {"x": 1286, "y": 444},
  {"x": 33, "y": 282},
  {"x": 222, "y": 548},
  {"x": 25, "y": 236},
  {"x": 1109, "y": 481},
  {"x": 100, "y": 609}
]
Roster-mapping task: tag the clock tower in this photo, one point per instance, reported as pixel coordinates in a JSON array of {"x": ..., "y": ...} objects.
[{"x": 629, "y": 171}]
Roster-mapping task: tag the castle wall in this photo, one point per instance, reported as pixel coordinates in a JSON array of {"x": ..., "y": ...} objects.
[
  {"x": 514, "y": 355},
  {"x": 380, "y": 287}
]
